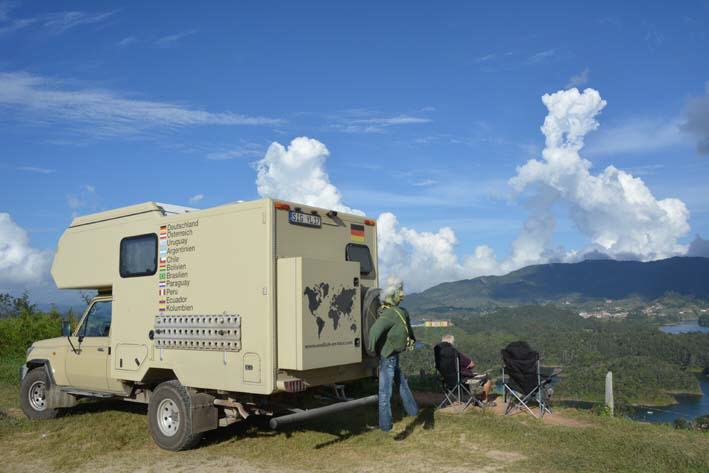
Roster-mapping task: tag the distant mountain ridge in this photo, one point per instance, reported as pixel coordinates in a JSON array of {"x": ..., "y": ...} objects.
[{"x": 592, "y": 279}]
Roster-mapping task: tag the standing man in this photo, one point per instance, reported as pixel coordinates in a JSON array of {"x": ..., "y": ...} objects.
[{"x": 390, "y": 335}]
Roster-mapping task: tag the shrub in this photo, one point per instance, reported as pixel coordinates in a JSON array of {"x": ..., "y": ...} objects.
[{"x": 23, "y": 324}]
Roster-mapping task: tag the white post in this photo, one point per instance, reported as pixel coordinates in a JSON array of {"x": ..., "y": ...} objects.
[{"x": 609, "y": 391}]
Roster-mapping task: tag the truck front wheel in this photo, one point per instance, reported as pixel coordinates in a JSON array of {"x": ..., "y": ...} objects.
[
  {"x": 170, "y": 419},
  {"x": 34, "y": 395}
]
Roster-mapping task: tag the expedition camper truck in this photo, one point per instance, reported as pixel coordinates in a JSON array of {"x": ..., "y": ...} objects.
[{"x": 210, "y": 316}]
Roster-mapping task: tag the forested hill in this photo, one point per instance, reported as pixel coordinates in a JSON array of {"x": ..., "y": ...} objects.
[{"x": 593, "y": 279}]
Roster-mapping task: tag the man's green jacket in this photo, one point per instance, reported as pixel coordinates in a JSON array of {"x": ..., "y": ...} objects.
[{"x": 389, "y": 333}]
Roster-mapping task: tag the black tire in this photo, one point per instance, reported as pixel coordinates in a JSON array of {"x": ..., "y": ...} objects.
[
  {"x": 170, "y": 419},
  {"x": 34, "y": 398},
  {"x": 370, "y": 314}
]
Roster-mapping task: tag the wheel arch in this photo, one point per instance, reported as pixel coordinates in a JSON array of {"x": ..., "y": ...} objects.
[
  {"x": 155, "y": 376},
  {"x": 37, "y": 363}
]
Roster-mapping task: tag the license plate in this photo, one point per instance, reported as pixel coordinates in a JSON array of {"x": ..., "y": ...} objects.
[{"x": 307, "y": 220}]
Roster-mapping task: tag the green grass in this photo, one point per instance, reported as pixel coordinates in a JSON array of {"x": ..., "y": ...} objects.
[
  {"x": 113, "y": 436},
  {"x": 9, "y": 373}
]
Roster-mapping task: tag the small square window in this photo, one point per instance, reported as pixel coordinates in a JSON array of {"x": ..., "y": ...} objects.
[
  {"x": 139, "y": 256},
  {"x": 361, "y": 254}
]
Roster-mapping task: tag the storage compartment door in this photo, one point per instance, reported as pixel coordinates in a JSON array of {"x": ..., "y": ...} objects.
[{"x": 319, "y": 313}]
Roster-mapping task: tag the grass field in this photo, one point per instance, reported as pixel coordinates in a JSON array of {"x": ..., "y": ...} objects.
[{"x": 112, "y": 436}]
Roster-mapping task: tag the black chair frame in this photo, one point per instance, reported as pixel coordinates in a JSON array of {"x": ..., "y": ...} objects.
[
  {"x": 460, "y": 394},
  {"x": 515, "y": 399}
]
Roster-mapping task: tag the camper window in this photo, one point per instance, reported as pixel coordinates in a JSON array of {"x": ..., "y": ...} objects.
[
  {"x": 139, "y": 256},
  {"x": 361, "y": 254}
]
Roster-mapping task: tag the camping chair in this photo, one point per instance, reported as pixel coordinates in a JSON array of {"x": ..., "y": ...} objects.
[
  {"x": 524, "y": 380},
  {"x": 456, "y": 390}
]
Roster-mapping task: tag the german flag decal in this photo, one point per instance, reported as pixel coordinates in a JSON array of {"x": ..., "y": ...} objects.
[{"x": 357, "y": 233}]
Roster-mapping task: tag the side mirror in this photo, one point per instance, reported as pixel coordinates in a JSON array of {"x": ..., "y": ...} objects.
[{"x": 66, "y": 328}]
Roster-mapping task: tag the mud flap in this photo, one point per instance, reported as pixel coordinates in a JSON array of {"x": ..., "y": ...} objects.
[
  {"x": 58, "y": 398},
  {"x": 205, "y": 415}
]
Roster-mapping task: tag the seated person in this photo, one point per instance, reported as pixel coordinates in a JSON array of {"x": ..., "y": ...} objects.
[{"x": 466, "y": 370}]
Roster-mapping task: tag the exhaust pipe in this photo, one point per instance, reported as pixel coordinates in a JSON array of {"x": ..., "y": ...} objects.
[{"x": 281, "y": 421}]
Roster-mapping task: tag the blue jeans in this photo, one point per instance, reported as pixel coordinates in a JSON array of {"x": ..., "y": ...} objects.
[{"x": 389, "y": 372}]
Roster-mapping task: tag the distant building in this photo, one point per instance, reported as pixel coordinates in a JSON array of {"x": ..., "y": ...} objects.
[
  {"x": 603, "y": 314},
  {"x": 437, "y": 323}
]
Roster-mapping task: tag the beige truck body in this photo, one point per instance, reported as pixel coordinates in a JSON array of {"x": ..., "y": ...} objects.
[{"x": 248, "y": 297}]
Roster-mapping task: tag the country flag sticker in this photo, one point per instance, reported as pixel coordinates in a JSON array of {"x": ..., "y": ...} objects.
[
  {"x": 357, "y": 233},
  {"x": 162, "y": 274}
]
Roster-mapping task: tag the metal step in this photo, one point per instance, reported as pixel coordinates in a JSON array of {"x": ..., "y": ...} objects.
[{"x": 79, "y": 392}]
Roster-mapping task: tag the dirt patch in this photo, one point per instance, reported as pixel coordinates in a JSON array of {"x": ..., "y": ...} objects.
[
  {"x": 12, "y": 412},
  {"x": 184, "y": 463},
  {"x": 556, "y": 418},
  {"x": 504, "y": 457}
]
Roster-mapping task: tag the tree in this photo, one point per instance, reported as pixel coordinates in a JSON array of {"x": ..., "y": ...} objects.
[{"x": 682, "y": 424}]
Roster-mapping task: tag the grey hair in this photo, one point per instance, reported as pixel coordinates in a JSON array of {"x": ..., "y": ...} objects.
[
  {"x": 448, "y": 338},
  {"x": 393, "y": 284}
]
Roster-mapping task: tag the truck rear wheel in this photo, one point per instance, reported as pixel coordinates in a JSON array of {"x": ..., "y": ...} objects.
[
  {"x": 34, "y": 395},
  {"x": 170, "y": 419}
]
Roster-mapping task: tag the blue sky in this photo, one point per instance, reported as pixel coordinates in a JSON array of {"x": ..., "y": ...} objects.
[{"x": 427, "y": 109}]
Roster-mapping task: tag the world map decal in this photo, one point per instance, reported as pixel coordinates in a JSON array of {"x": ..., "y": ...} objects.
[{"x": 325, "y": 304}]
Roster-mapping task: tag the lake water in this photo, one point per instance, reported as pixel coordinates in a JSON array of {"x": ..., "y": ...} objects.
[
  {"x": 684, "y": 327},
  {"x": 688, "y": 408}
]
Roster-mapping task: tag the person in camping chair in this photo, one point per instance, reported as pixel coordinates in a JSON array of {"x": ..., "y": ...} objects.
[
  {"x": 390, "y": 335},
  {"x": 467, "y": 365}
]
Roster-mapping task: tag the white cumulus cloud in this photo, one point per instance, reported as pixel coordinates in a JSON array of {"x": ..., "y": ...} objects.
[
  {"x": 614, "y": 209},
  {"x": 421, "y": 259},
  {"x": 297, "y": 173},
  {"x": 19, "y": 262}
]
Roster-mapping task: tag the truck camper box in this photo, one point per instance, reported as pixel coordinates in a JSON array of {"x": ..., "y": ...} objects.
[{"x": 249, "y": 298}]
